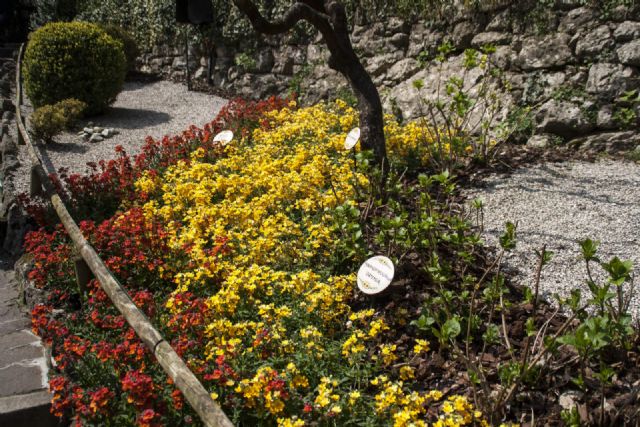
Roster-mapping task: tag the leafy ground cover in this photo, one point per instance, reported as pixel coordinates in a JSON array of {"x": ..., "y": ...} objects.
[{"x": 245, "y": 256}]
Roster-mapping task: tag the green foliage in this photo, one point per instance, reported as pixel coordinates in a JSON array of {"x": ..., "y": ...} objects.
[
  {"x": 246, "y": 61},
  {"x": 295, "y": 85},
  {"x": 45, "y": 11},
  {"x": 73, "y": 60},
  {"x": 346, "y": 94},
  {"x": 461, "y": 112},
  {"x": 624, "y": 114},
  {"x": 49, "y": 120},
  {"x": 131, "y": 50}
]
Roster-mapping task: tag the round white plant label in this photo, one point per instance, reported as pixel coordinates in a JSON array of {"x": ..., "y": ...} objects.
[
  {"x": 352, "y": 138},
  {"x": 375, "y": 275},
  {"x": 223, "y": 137}
]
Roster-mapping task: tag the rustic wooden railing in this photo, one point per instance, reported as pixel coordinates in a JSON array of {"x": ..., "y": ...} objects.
[{"x": 194, "y": 392}]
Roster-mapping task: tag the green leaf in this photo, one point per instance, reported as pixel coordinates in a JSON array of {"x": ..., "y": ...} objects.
[
  {"x": 589, "y": 249},
  {"x": 451, "y": 328},
  {"x": 619, "y": 271},
  {"x": 508, "y": 238}
]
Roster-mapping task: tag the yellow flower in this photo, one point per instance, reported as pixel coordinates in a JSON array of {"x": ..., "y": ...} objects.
[
  {"x": 388, "y": 353},
  {"x": 406, "y": 373},
  {"x": 421, "y": 346}
]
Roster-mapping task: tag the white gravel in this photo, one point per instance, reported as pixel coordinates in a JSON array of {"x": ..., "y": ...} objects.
[
  {"x": 559, "y": 205},
  {"x": 141, "y": 109}
]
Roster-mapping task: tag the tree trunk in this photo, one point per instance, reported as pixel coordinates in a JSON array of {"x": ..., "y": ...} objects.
[{"x": 329, "y": 17}]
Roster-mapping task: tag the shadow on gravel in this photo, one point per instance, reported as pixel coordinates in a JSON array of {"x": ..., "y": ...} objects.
[
  {"x": 66, "y": 147},
  {"x": 131, "y": 118}
]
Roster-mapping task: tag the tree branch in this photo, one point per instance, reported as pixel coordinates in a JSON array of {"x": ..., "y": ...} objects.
[{"x": 297, "y": 12}]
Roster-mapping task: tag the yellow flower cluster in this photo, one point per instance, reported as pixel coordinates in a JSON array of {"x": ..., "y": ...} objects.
[
  {"x": 407, "y": 408},
  {"x": 457, "y": 411},
  {"x": 254, "y": 229}
]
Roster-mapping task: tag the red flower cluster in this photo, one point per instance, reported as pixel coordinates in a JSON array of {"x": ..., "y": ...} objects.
[{"x": 101, "y": 364}]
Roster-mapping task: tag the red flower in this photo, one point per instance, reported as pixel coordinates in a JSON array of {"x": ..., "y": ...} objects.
[{"x": 146, "y": 418}]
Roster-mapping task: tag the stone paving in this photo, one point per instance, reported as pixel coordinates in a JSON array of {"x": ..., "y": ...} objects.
[{"x": 24, "y": 396}]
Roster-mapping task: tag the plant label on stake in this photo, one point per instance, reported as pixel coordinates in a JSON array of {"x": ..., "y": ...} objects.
[
  {"x": 223, "y": 137},
  {"x": 352, "y": 138},
  {"x": 375, "y": 275}
]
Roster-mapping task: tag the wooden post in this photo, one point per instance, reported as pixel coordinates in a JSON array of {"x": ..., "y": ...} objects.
[
  {"x": 186, "y": 54},
  {"x": 83, "y": 275},
  {"x": 19, "y": 120},
  {"x": 35, "y": 183}
]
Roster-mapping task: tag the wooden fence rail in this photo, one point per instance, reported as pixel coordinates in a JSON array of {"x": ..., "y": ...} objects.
[{"x": 209, "y": 411}]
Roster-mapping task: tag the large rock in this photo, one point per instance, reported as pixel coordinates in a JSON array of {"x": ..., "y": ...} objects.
[
  {"x": 396, "y": 25},
  {"x": 410, "y": 101},
  {"x": 321, "y": 83},
  {"x": 501, "y": 21},
  {"x": 287, "y": 58},
  {"x": 490, "y": 38},
  {"x": 259, "y": 86},
  {"x": 627, "y": 31},
  {"x": 380, "y": 64},
  {"x": 595, "y": 42},
  {"x": 629, "y": 53},
  {"x": 605, "y": 119},
  {"x": 317, "y": 54},
  {"x": 400, "y": 40},
  {"x": 423, "y": 40},
  {"x": 562, "y": 118},
  {"x": 576, "y": 19},
  {"x": 265, "y": 61},
  {"x": 609, "y": 80},
  {"x": 463, "y": 33},
  {"x": 402, "y": 70},
  {"x": 503, "y": 57},
  {"x": 551, "y": 51},
  {"x": 609, "y": 142},
  {"x": 540, "y": 141},
  {"x": 371, "y": 47}
]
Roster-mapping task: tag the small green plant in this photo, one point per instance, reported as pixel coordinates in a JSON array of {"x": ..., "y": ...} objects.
[
  {"x": 624, "y": 114},
  {"x": 49, "y": 120},
  {"x": 245, "y": 60},
  {"x": 568, "y": 93},
  {"x": 461, "y": 116}
]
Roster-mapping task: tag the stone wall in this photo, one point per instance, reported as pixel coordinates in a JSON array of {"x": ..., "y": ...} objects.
[
  {"x": 13, "y": 222},
  {"x": 575, "y": 66}
]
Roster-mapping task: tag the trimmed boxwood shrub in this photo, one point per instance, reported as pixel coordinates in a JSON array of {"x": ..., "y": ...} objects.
[
  {"x": 74, "y": 60},
  {"x": 49, "y": 120},
  {"x": 131, "y": 50}
]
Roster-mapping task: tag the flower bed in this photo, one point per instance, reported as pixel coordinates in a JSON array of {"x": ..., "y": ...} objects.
[{"x": 238, "y": 254}]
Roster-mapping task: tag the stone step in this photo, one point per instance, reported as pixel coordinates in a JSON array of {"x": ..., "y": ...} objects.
[
  {"x": 27, "y": 410},
  {"x": 24, "y": 363}
]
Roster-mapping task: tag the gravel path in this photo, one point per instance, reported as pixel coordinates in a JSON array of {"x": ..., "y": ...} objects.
[
  {"x": 559, "y": 205},
  {"x": 141, "y": 109}
]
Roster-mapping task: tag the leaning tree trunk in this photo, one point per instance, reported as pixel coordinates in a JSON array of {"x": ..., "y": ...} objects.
[{"x": 329, "y": 17}]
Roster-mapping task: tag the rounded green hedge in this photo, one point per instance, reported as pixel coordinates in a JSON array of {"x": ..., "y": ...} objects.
[
  {"x": 131, "y": 50},
  {"x": 74, "y": 60}
]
